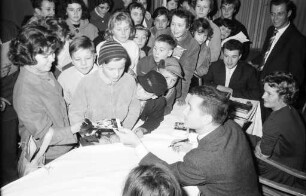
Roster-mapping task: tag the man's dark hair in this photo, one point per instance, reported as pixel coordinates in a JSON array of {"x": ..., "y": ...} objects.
[
  {"x": 215, "y": 102},
  {"x": 233, "y": 44},
  {"x": 236, "y": 4},
  {"x": 167, "y": 39},
  {"x": 290, "y": 6}
]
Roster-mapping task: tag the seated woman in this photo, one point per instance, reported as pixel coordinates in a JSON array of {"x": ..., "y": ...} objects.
[
  {"x": 283, "y": 138},
  {"x": 151, "y": 180},
  {"x": 37, "y": 96}
]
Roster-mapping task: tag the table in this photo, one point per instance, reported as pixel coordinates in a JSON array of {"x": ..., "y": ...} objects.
[{"x": 101, "y": 169}]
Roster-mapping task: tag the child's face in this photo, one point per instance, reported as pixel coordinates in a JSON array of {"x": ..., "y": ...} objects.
[
  {"x": 178, "y": 27},
  {"x": 227, "y": 10},
  {"x": 114, "y": 69},
  {"x": 121, "y": 31},
  {"x": 202, "y": 8},
  {"x": 172, "y": 5},
  {"x": 144, "y": 3},
  {"x": 161, "y": 22},
  {"x": 170, "y": 77},
  {"x": 161, "y": 51},
  {"x": 83, "y": 60},
  {"x": 225, "y": 32},
  {"x": 126, "y": 3},
  {"x": 74, "y": 12},
  {"x": 142, "y": 94},
  {"x": 44, "y": 62},
  {"x": 140, "y": 38},
  {"x": 200, "y": 37},
  {"x": 103, "y": 8},
  {"x": 46, "y": 9},
  {"x": 137, "y": 16}
]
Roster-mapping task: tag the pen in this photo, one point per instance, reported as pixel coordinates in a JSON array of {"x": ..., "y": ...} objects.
[{"x": 184, "y": 140}]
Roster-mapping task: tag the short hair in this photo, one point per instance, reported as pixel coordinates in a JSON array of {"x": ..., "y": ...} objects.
[
  {"x": 201, "y": 25},
  {"x": 160, "y": 11},
  {"x": 136, "y": 5},
  {"x": 228, "y": 23},
  {"x": 233, "y": 44},
  {"x": 151, "y": 180},
  {"x": 167, "y": 39},
  {"x": 289, "y": 4},
  {"x": 236, "y": 4},
  {"x": 38, "y": 3},
  {"x": 31, "y": 41},
  {"x": 285, "y": 85},
  {"x": 140, "y": 27},
  {"x": 82, "y": 42},
  {"x": 184, "y": 14},
  {"x": 215, "y": 102},
  {"x": 63, "y": 8},
  {"x": 109, "y": 2},
  {"x": 118, "y": 16}
]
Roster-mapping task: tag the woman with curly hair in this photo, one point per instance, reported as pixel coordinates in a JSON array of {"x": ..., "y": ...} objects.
[
  {"x": 283, "y": 138},
  {"x": 37, "y": 99}
]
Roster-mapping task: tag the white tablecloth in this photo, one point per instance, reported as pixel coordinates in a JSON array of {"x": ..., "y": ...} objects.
[{"x": 100, "y": 169}]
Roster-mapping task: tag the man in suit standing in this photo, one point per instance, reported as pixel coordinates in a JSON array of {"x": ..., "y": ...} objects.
[
  {"x": 232, "y": 75},
  {"x": 222, "y": 163},
  {"x": 284, "y": 48}
]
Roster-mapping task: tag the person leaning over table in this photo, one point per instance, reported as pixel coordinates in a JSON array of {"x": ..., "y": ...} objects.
[
  {"x": 284, "y": 136},
  {"x": 150, "y": 90},
  {"x": 37, "y": 96},
  {"x": 222, "y": 163},
  {"x": 109, "y": 92}
]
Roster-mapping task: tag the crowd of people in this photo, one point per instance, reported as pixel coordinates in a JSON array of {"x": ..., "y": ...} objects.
[{"x": 66, "y": 64}]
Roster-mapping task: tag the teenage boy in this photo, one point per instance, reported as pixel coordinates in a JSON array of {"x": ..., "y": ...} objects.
[
  {"x": 163, "y": 48},
  {"x": 232, "y": 75},
  {"x": 82, "y": 53},
  {"x": 150, "y": 90},
  {"x": 222, "y": 163}
]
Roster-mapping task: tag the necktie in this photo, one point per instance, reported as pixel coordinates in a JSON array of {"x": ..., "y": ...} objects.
[{"x": 269, "y": 48}]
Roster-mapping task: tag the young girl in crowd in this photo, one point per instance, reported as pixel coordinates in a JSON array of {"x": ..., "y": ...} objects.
[
  {"x": 120, "y": 29},
  {"x": 226, "y": 27},
  {"x": 100, "y": 15},
  {"x": 137, "y": 12},
  {"x": 171, "y": 4},
  {"x": 202, "y": 32},
  {"x": 109, "y": 92},
  {"x": 187, "y": 49},
  {"x": 141, "y": 38},
  {"x": 203, "y": 8},
  {"x": 38, "y": 97},
  {"x": 147, "y": 17},
  {"x": 75, "y": 13},
  {"x": 82, "y": 51},
  {"x": 161, "y": 22}
]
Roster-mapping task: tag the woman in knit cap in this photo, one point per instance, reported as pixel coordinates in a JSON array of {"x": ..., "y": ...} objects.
[{"x": 109, "y": 92}]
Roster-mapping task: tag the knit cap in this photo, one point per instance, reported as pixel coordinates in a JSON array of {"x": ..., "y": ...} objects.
[
  {"x": 110, "y": 50},
  {"x": 153, "y": 82}
]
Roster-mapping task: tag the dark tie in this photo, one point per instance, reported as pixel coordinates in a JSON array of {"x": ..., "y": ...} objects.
[{"x": 269, "y": 48}]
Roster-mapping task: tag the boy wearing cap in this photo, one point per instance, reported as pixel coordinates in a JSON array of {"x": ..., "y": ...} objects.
[
  {"x": 162, "y": 49},
  {"x": 109, "y": 92},
  {"x": 150, "y": 90},
  {"x": 172, "y": 71}
]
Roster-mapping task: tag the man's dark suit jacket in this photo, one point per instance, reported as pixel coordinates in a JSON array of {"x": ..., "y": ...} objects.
[
  {"x": 244, "y": 80},
  {"x": 222, "y": 164},
  {"x": 288, "y": 54}
]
